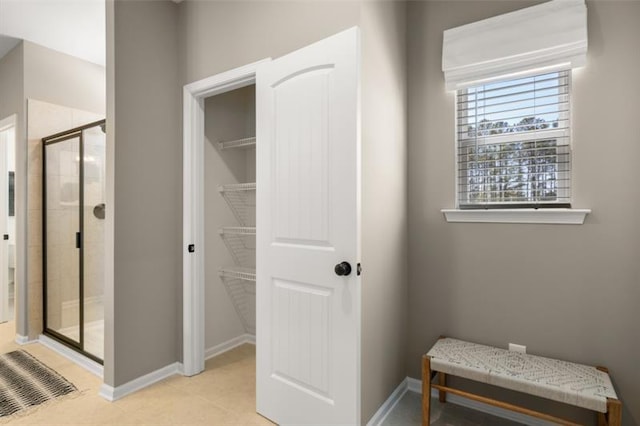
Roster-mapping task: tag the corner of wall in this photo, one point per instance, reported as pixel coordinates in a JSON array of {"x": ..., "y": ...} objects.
[
  {"x": 12, "y": 101},
  {"x": 109, "y": 308},
  {"x": 145, "y": 114},
  {"x": 384, "y": 177}
]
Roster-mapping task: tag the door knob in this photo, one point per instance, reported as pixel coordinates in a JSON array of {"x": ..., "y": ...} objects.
[{"x": 343, "y": 269}]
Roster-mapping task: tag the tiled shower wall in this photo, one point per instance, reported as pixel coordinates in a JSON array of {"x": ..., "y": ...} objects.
[{"x": 45, "y": 119}]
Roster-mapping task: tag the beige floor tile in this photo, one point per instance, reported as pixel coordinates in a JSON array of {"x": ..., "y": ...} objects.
[
  {"x": 47, "y": 356},
  {"x": 186, "y": 409},
  {"x": 88, "y": 408},
  {"x": 224, "y": 394},
  {"x": 149, "y": 399},
  {"x": 82, "y": 379},
  {"x": 249, "y": 419},
  {"x": 236, "y": 401}
]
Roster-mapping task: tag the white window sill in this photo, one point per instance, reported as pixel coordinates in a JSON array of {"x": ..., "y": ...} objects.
[{"x": 548, "y": 216}]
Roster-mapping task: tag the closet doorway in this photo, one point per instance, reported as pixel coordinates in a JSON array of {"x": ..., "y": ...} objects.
[
  {"x": 230, "y": 219},
  {"x": 73, "y": 190},
  {"x": 307, "y": 229}
]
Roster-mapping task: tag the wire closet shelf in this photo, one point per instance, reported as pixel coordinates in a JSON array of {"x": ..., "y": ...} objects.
[
  {"x": 241, "y": 198},
  {"x": 240, "y": 284},
  {"x": 240, "y": 279}
]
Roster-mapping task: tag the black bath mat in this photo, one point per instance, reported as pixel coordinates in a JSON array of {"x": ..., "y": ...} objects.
[{"x": 26, "y": 382}]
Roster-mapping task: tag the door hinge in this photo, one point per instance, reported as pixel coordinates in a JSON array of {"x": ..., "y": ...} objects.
[
  {"x": 359, "y": 269},
  {"x": 5, "y": 237},
  {"x": 191, "y": 248}
]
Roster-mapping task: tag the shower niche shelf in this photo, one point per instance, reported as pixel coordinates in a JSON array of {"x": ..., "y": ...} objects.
[
  {"x": 241, "y": 198},
  {"x": 240, "y": 284},
  {"x": 238, "y": 143}
]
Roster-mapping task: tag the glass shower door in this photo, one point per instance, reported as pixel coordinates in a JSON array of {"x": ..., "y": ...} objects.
[
  {"x": 63, "y": 239},
  {"x": 73, "y": 260},
  {"x": 93, "y": 239}
]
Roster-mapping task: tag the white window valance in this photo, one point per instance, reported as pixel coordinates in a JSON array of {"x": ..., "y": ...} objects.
[{"x": 547, "y": 37}]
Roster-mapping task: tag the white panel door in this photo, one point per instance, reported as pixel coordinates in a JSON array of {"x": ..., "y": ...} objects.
[{"x": 308, "y": 205}]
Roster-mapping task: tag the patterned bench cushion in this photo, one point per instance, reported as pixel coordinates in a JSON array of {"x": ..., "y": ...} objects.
[{"x": 567, "y": 382}]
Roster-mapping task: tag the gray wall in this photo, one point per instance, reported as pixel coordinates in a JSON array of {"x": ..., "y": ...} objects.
[
  {"x": 12, "y": 83},
  {"x": 216, "y": 36},
  {"x": 564, "y": 291},
  {"x": 384, "y": 202},
  {"x": 147, "y": 281},
  {"x": 62, "y": 79},
  {"x": 109, "y": 224}
]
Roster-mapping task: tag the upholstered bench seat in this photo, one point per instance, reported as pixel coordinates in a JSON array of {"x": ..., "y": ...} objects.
[{"x": 575, "y": 384}]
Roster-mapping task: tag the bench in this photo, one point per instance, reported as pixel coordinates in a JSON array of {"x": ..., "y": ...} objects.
[{"x": 567, "y": 382}]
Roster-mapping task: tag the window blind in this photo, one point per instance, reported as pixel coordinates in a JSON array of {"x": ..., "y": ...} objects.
[{"x": 513, "y": 143}]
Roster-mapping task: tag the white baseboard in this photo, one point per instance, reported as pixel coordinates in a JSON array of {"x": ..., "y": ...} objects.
[
  {"x": 415, "y": 385},
  {"x": 113, "y": 394},
  {"x": 23, "y": 340},
  {"x": 391, "y": 402},
  {"x": 228, "y": 345},
  {"x": 73, "y": 356}
]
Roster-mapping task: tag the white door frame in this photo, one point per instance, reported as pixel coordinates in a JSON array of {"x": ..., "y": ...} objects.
[{"x": 193, "y": 309}]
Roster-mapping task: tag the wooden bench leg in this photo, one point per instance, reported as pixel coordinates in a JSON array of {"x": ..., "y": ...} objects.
[
  {"x": 426, "y": 390},
  {"x": 614, "y": 409},
  {"x": 614, "y": 412},
  {"x": 602, "y": 419},
  {"x": 442, "y": 381}
]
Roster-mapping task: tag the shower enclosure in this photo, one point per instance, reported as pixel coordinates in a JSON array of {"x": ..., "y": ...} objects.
[{"x": 73, "y": 232}]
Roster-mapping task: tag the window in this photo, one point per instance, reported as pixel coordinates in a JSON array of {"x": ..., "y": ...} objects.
[{"x": 513, "y": 147}]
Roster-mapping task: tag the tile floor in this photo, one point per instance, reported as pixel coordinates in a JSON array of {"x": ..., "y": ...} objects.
[{"x": 224, "y": 394}]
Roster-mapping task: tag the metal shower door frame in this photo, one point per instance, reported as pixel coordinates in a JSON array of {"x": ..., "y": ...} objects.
[{"x": 77, "y": 132}]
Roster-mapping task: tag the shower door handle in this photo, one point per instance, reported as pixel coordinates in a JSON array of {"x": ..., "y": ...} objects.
[{"x": 78, "y": 240}]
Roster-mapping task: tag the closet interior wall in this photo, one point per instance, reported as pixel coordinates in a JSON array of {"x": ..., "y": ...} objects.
[{"x": 230, "y": 169}]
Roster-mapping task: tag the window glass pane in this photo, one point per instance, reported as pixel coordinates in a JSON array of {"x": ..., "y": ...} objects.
[{"x": 513, "y": 142}]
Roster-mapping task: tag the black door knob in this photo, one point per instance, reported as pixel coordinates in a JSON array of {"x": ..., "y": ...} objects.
[{"x": 343, "y": 269}]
